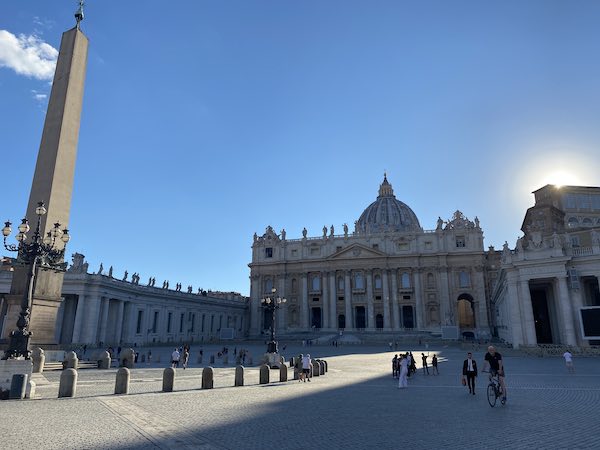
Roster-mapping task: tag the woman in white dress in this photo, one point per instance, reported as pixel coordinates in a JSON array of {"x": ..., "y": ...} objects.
[{"x": 403, "y": 381}]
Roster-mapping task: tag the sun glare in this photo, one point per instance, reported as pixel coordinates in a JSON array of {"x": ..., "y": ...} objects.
[{"x": 561, "y": 178}]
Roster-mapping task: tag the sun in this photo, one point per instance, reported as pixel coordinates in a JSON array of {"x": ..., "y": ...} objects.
[{"x": 561, "y": 178}]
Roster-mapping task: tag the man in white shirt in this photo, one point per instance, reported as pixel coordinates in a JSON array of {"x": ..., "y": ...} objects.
[
  {"x": 569, "y": 361},
  {"x": 306, "y": 369},
  {"x": 175, "y": 358}
]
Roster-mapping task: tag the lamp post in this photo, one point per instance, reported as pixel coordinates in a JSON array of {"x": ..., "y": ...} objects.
[
  {"x": 38, "y": 252},
  {"x": 272, "y": 304}
]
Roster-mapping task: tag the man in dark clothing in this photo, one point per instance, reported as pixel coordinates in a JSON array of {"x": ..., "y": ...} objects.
[
  {"x": 470, "y": 372},
  {"x": 493, "y": 359},
  {"x": 425, "y": 367}
]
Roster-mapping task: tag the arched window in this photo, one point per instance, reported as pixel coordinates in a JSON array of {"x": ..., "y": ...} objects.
[
  {"x": 315, "y": 283},
  {"x": 359, "y": 281},
  {"x": 587, "y": 222},
  {"x": 378, "y": 282},
  {"x": 405, "y": 280},
  {"x": 430, "y": 280},
  {"x": 268, "y": 285},
  {"x": 573, "y": 222},
  {"x": 464, "y": 279}
]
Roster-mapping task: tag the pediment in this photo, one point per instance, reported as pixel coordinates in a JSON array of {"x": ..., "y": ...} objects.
[{"x": 357, "y": 251}]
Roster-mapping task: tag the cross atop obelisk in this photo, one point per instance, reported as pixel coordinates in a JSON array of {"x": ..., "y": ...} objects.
[{"x": 53, "y": 177}]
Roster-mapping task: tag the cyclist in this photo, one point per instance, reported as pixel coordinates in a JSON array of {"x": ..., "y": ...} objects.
[{"x": 493, "y": 360}]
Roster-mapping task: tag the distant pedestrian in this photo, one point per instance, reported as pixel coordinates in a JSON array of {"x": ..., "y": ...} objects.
[
  {"x": 395, "y": 366},
  {"x": 186, "y": 358},
  {"x": 425, "y": 366},
  {"x": 569, "y": 361},
  {"x": 413, "y": 364},
  {"x": 434, "y": 364},
  {"x": 470, "y": 372},
  {"x": 175, "y": 358},
  {"x": 306, "y": 368},
  {"x": 402, "y": 379}
]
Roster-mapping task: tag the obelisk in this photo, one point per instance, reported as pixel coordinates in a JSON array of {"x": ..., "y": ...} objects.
[{"x": 53, "y": 180}]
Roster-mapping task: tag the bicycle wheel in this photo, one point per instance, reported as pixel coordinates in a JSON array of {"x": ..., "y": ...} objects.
[{"x": 491, "y": 395}]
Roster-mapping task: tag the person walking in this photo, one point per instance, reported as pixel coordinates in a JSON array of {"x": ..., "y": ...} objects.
[
  {"x": 175, "y": 358},
  {"x": 395, "y": 366},
  {"x": 569, "y": 361},
  {"x": 306, "y": 369},
  {"x": 186, "y": 357},
  {"x": 434, "y": 364},
  {"x": 470, "y": 372},
  {"x": 425, "y": 367},
  {"x": 403, "y": 378}
]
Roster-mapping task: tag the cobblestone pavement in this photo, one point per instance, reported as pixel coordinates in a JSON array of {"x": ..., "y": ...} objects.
[{"x": 355, "y": 405}]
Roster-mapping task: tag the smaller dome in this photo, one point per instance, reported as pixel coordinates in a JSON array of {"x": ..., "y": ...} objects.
[{"x": 387, "y": 214}]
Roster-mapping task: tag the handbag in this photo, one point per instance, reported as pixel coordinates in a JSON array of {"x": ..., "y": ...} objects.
[{"x": 464, "y": 382}]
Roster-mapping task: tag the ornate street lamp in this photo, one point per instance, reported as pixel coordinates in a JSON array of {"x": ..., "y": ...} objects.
[
  {"x": 38, "y": 252},
  {"x": 272, "y": 304}
]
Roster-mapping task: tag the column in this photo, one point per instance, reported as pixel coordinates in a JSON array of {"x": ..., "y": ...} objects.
[
  {"x": 103, "y": 320},
  {"x": 577, "y": 304},
  {"x": 482, "y": 317},
  {"x": 304, "y": 320},
  {"x": 370, "y": 307},
  {"x": 445, "y": 306},
  {"x": 325, "y": 300},
  {"x": 386, "y": 300},
  {"x": 280, "y": 321},
  {"x": 119, "y": 325},
  {"x": 515, "y": 313},
  {"x": 89, "y": 332},
  {"x": 79, "y": 318},
  {"x": 254, "y": 305},
  {"x": 395, "y": 307},
  {"x": 418, "y": 300},
  {"x": 332, "y": 301},
  {"x": 529, "y": 334},
  {"x": 348, "y": 301},
  {"x": 567, "y": 312}
]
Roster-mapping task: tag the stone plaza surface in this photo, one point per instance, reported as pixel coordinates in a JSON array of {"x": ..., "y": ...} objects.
[{"x": 355, "y": 405}]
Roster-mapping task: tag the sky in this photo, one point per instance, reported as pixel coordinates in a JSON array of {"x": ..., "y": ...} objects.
[{"x": 204, "y": 122}]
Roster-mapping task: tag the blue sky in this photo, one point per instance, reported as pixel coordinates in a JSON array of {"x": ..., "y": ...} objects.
[{"x": 204, "y": 122}]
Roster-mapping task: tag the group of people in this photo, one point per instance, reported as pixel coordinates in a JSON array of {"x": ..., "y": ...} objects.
[
  {"x": 411, "y": 367},
  {"x": 303, "y": 367},
  {"x": 182, "y": 355}
]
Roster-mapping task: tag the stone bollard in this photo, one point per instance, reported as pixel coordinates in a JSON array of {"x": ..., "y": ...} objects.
[
  {"x": 264, "y": 374},
  {"x": 212, "y": 359},
  {"x": 208, "y": 378},
  {"x": 314, "y": 369},
  {"x": 68, "y": 383},
  {"x": 122, "y": 381},
  {"x": 18, "y": 386},
  {"x": 321, "y": 367},
  {"x": 30, "y": 391},
  {"x": 128, "y": 358},
  {"x": 239, "y": 375},
  {"x": 39, "y": 359},
  {"x": 325, "y": 363},
  {"x": 226, "y": 360},
  {"x": 104, "y": 360},
  {"x": 168, "y": 379},
  {"x": 283, "y": 373},
  {"x": 71, "y": 361}
]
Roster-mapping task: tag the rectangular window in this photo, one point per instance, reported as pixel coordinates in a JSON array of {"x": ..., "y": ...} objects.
[
  {"x": 138, "y": 328},
  {"x": 406, "y": 297},
  {"x": 169, "y": 318},
  {"x": 155, "y": 322},
  {"x": 464, "y": 279},
  {"x": 315, "y": 251},
  {"x": 294, "y": 252},
  {"x": 376, "y": 246},
  {"x": 269, "y": 252},
  {"x": 460, "y": 241},
  {"x": 403, "y": 246},
  {"x": 315, "y": 299},
  {"x": 428, "y": 245},
  {"x": 340, "y": 299},
  {"x": 181, "y": 322},
  {"x": 583, "y": 201},
  {"x": 378, "y": 297},
  {"x": 575, "y": 241},
  {"x": 570, "y": 201}
]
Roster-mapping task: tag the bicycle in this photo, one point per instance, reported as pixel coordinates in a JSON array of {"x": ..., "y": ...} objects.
[{"x": 494, "y": 390}]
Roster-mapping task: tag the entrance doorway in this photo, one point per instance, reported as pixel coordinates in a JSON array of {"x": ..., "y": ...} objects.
[
  {"x": 466, "y": 314},
  {"x": 541, "y": 316},
  {"x": 315, "y": 320},
  {"x": 379, "y": 321},
  {"x": 408, "y": 318},
  {"x": 341, "y": 321},
  {"x": 361, "y": 321}
]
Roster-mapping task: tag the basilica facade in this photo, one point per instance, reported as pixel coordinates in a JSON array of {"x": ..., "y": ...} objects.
[{"x": 388, "y": 274}]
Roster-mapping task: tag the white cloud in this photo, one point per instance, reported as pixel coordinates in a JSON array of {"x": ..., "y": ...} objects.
[
  {"x": 27, "y": 55},
  {"x": 39, "y": 96}
]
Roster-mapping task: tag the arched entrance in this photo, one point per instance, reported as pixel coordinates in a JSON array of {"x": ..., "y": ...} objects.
[{"x": 466, "y": 311}]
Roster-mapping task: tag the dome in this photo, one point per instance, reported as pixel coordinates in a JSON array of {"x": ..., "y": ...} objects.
[{"x": 387, "y": 214}]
